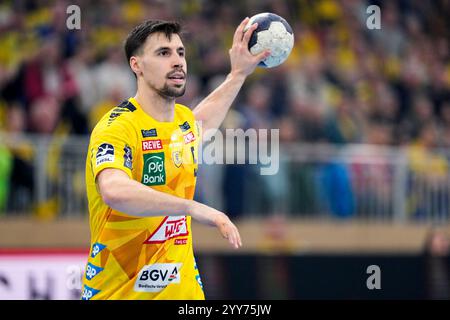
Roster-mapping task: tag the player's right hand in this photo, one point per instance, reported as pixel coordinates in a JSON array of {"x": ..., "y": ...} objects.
[{"x": 211, "y": 216}]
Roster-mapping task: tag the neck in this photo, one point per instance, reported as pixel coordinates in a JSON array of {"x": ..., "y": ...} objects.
[{"x": 159, "y": 108}]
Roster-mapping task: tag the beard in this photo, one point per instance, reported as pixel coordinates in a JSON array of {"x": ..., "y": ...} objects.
[{"x": 171, "y": 92}]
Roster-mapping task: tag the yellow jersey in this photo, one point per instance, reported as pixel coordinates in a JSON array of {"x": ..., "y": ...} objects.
[{"x": 142, "y": 257}]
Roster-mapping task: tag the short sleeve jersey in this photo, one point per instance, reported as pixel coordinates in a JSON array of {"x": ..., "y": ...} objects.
[{"x": 142, "y": 257}]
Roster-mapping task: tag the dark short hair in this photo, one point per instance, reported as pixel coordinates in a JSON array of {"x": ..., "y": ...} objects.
[{"x": 139, "y": 34}]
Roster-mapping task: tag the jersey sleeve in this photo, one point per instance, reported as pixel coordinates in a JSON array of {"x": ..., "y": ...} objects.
[{"x": 112, "y": 147}]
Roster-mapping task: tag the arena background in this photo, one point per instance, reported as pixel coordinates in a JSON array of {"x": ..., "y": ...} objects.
[{"x": 360, "y": 206}]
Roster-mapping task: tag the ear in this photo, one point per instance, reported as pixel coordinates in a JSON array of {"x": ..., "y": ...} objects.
[{"x": 135, "y": 65}]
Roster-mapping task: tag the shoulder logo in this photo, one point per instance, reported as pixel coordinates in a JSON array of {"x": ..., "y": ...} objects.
[
  {"x": 171, "y": 227},
  {"x": 105, "y": 153},
  {"x": 127, "y": 157}
]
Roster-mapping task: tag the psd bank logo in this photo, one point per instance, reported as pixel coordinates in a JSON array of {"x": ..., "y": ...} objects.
[
  {"x": 154, "y": 170},
  {"x": 156, "y": 277}
]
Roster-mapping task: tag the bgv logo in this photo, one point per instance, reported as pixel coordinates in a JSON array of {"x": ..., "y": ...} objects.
[{"x": 156, "y": 277}]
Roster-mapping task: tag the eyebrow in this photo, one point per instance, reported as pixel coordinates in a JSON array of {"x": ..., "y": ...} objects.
[{"x": 168, "y": 48}]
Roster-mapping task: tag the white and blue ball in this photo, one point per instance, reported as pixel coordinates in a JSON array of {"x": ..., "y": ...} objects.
[{"x": 273, "y": 33}]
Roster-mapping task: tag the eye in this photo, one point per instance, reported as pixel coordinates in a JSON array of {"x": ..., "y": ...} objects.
[
  {"x": 181, "y": 53},
  {"x": 163, "y": 53}
]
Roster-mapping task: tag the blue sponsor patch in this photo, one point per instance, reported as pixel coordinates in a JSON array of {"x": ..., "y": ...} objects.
[
  {"x": 96, "y": 248},
  {"x": 197, "y": 277},
  {"x": 199, "y": 281},
  {"x": 92, "y": 271},
  {"x": 149, "y": 133},
  {"x": 127, "y": 157},
  {"x": 185, "y": 126},
  {"x": 88, "y": 292}
]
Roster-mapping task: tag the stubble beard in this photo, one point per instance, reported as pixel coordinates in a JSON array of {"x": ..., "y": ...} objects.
[{"x": 171, "y": 93}]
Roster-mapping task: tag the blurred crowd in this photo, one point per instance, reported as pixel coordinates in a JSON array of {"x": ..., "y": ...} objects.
[{"x": 343, "y": 83}]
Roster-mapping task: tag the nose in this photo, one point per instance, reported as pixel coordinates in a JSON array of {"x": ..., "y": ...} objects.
[{"x": 178, "y": 61}]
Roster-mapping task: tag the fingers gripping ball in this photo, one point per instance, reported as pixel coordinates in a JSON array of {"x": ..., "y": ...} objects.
[{"x": 273, "y": 33}]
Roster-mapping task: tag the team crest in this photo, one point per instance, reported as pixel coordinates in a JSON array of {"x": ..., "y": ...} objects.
[{"x": 176, "y": 158}]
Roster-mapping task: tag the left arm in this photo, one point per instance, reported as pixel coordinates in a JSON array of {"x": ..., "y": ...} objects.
[{"x": 212, "y": 110}]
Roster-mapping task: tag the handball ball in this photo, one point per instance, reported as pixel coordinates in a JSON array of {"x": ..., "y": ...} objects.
[{"x": 273, "y": 33}]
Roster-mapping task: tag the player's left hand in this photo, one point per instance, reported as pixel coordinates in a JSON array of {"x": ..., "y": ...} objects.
[
  {"x": 228, "y": 230},
  {"x": 243, "y": 62}
]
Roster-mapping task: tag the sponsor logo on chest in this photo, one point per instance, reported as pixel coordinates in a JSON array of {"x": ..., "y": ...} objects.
[
  {"x": 149, "y": 133},
  {"x": 189, "y": 137},
  {"x": 149, "y": 145},
  {"x": 170, "y": 228},
  {"x": 154, "y": 171},
  {"x": 156, "y": 277}
]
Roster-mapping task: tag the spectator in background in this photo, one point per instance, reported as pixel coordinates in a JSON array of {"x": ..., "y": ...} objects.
[
  {"x": 112, "y": 75},
  {"x": 5, "y": 170},
  {"x": 386, "y": 106},
  {"x": 372, "y": 172},
  {"x": 22, "y": 167},
  {"x": 437, "y": 265},
  {"x": 420, "y": 113},
  {"x": 345, "y": 124},
  {"x": 44, "y": 115},
  {"x": 81, "y": 65},
  {"x": 280, "y": 185},
  {"x": 256, "y": 107},
  {"x": 445, "y": 125},
  {"x": 257, "y": 115},
  {"x": 309, "y": 121},
  {"x": 429, "y": 171},
  {"x": 48, "y": 74},
  {"x": 335, "y": 189}
]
